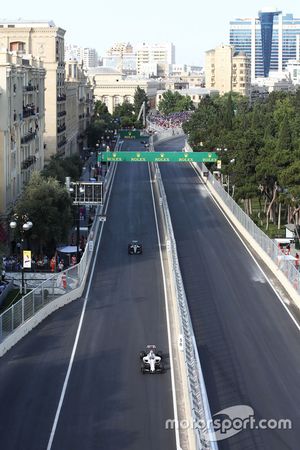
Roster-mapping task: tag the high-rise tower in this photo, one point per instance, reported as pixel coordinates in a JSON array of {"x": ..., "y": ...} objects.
[{"x": 270, "y": 40}]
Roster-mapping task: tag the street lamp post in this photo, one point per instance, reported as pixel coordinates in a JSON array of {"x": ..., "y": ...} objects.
[
  {"x": 26, "y": 225},
  {"x": 81, "y": 192}
]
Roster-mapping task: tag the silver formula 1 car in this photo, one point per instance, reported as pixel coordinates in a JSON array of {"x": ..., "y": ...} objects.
[
  {"x": 135, "y": 248},
  {"x": 151, "y": 360}
]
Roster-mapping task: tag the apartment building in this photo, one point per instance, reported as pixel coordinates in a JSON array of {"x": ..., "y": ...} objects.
[
  {"x": 122, "y": 57},
  {"x": 43, "y": 40},
  {"x": 86, "y": 56},
  {"x": 270, "y": 40},
  {"x": 79, "y": 104},
  {"x": 159, "y": 56},
  {"x": 22, "y": 123},
  {"x": 293, "y": 69},
  {"x": 227, "y": 70}
]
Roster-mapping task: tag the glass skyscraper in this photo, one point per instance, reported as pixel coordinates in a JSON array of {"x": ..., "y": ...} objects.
[{"x": 270, "y": 40}]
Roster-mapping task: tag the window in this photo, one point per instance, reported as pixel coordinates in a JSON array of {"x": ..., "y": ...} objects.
[
  {"x": 17, "y": 46},
  {"x": 117, "y": 100}
]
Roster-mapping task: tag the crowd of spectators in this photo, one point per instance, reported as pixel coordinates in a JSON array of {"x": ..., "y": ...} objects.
[
  {"x": 44, "y": 263},
  {"x": 172, "y": 120},
  {"x": 11, "y": 263},
  {"x": 39, "y": 263}
]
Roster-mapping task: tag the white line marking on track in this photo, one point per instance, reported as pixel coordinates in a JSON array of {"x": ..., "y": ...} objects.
[{"x": 167, "y": 318}]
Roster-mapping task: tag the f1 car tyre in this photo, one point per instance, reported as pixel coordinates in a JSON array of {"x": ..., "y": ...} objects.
[
  {"x": 161, "y": 368},
  {"x": 142, "y": 354}
]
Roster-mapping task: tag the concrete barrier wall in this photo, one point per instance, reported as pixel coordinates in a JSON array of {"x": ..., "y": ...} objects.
[{"x": 24, "y": 329}]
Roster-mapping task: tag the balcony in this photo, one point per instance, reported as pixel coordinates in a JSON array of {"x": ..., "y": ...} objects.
[
  {"x": 28, "y": 162},
  {"x": 62, "y": 142},
  {"x": 30, "y": 88},
  {"x": 29, "y": 110},
  {"x": 28, "y": 137},
  {"x": 61, "y": 128},
  {"x": 61, "y": 97},
  {"x": 61, "y": 113}
]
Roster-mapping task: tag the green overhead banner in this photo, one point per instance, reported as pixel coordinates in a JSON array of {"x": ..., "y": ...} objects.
[
  {"x": 129, "y": 134},
  {"x": 158, "y": 157}
]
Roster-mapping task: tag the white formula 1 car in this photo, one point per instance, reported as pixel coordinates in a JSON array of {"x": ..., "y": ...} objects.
[
  {"x": 135, "y": 248},
  {"x": 151, "y": 360}
]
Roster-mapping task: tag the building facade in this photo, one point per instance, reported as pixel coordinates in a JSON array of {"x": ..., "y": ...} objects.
[
  {"x": 113, "y": 88},
  {"x": 121, "y": 57},
  {"x": 270, "y": 40},
  {"x": 86, "y": 56},
  {"x": 79, "y": 104},
  {"x": 293, "y": 69},
  {"x": 125, "y": 63},
  {"x": 46, "y": 41},
  {"x": 161, "y": 54},
  {"x": 22, "y": 123},
  {"x": 227, "y": 70}
]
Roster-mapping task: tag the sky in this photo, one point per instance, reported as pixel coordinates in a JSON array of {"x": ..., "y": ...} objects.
[{"x": 193, "y": 26}]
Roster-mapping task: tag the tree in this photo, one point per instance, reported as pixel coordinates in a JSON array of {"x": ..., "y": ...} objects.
[
  {"x": 263, "y": 140},
  {"x": 174, "y": 102},
  {"x": 61, "y": 168},
  {"x": 285, "y": 140},
  {"x": 126, "y": 109},
  {"x": 184, "y": 104},
  {"x": 48, "y": 205},
  {"x": 140, "y": 97},
  {"x": 95, "y": 130},
  {"x": 228, "y": 113},
  {"x": 128, "y": 121},
  {"x": 101, "y": 111}
]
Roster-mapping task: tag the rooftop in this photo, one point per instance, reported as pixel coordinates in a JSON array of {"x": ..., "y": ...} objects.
[{"x": 19, "y": 23}]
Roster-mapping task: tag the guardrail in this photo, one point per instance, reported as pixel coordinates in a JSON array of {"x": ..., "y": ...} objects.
[
  {"x": 69, "y": 283},
  {"x": 202, "y": 419},
  {"x": 266, "y": 244}
]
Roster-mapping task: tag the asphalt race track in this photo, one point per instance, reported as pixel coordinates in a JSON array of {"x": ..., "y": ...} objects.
[
  {"x": 248, "y": 345},
  {"x": 108, "y": 404}
]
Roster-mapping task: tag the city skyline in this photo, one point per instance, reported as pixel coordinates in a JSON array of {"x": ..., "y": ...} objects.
[{"x": 192, "y": 29}]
